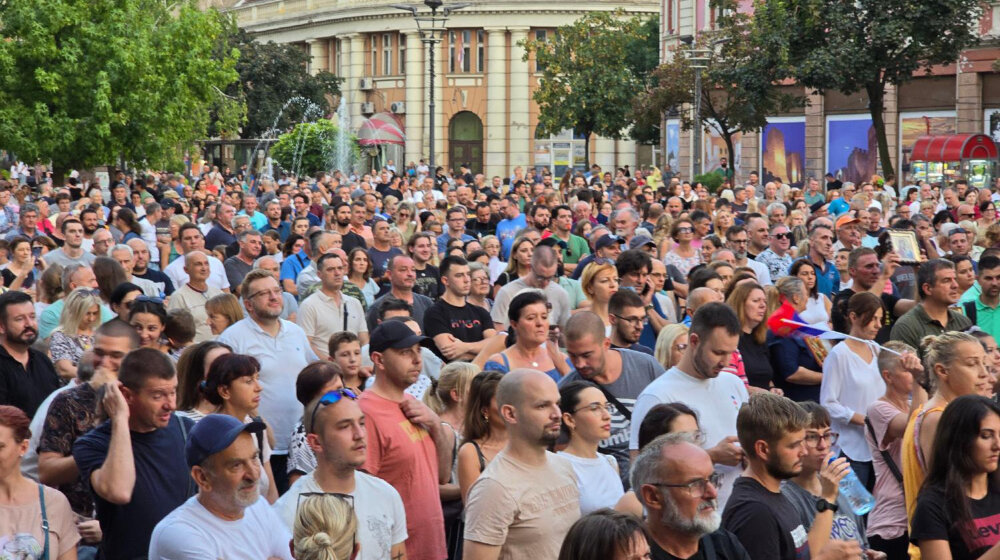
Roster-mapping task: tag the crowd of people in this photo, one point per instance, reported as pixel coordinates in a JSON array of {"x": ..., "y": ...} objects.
[{"x": 417, "y": 364}]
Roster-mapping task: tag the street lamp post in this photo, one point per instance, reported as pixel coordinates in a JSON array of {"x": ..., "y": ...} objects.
[
  {"x": 431, "y": 27},
  {"x": 699, "y": 61}
]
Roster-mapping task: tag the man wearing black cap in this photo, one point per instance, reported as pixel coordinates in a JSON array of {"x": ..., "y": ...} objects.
[
  {"x": 407, "y": 445},
  {"x": 227, "y": 518},
  {"x": 607, "y": 246}
]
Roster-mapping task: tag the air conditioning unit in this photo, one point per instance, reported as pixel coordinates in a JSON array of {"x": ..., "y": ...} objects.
[
  {"x": 398, "y": 107},
  {"x": 366, "y": 84},
  {"x": 367, "y": 108}
]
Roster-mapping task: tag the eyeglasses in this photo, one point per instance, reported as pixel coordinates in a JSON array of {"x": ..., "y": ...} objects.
[
  {"x": 345, "y": 497},
  {"x": 275, "y": 292},
  {"x": 685, "y": 230},
  {"x": 331, "y": 397},
  {"x": 969, "y": 215},
  {"x": 695, "y": 488},
  {"x": 147, "y": 299},
  {"x": 596, "y": 407},
  {"x": 738, "y": 241},
  {"x": 635, "y": 321},
  {"x": 830, "y": 438}
]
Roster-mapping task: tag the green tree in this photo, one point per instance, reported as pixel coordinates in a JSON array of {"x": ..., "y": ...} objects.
[
  {"x": 643, "y": 58},
  {"x": 584, "y": 85},
  {"x": 311, "y": 147},
  {"x": 87, "y": 82},
  {"x": 738, "y": 92},
  {"x": 866, "y": 45},
  {"x": 271, "y": 74}
]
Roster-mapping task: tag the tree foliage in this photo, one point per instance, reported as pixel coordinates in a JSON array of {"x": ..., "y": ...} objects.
[
  {"x": 271, "y": 74},
  {"x": 311, "y": 147},
  {"x": 584, "y": 85},
  {"x": 738, "y": 87},
  {"x": 86, "y": 82},
  {"x": 866, "y": 45}
]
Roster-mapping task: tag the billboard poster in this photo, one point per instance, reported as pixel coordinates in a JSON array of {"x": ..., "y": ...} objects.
[
  {"x": 783, "y": 151},
  {"x": 673, "y": 145},
  {"x": 715, "y": 150},
  {"x": 851, "y": 147},
  {"x": 913, "y": 125}
]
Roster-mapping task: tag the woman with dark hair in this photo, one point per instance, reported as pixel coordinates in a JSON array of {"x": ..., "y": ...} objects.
[
  {"x": 122, "y": 297},
  {"x": 750, "y": 303},
  {"x": 233, "y": 386},
  {"x": 110, "y": 274},
  {"x": 818, "y": 306},
  {"x": 529, "y": 322},
  {"x": 294, "y": 261},
  {"x": 960, "y": 500},
  {"x": 149, "y": 318},
  {"x": 192, "y": 367},
  {"x": 125, "y": 220},
  {"x": 683, "y": 254},
  {"x": 20, "y": 272},
  {"x": 314, "y": 381},
  {"x": 586, "y": 422},
  {"x": 35, "y": 521},
  {"x": 606, "y": 535},
  {"x": 852, "y": 382},
  {"x": 483, "y": 430}
]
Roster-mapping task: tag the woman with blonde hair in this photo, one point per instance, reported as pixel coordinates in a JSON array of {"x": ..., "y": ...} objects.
[
  {"x": 326, "y": 528},
  {"x": 670, "y": 345},
  {"x": 223, "y": 311},
  {"x": 75, "y": 333},
  {"x": 172, "y": 248},
  {"x": 599, "y": 282},
  {"x": 519, "y": 264}
]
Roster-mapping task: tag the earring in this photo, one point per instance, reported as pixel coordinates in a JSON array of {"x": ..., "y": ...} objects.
[{"x": 486, "y": 417}]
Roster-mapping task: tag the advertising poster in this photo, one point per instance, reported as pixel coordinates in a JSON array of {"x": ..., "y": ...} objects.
[
  {"x": 715, "y": 150},
  {"x": 783, "y": 151},
  {"x": 851, "y": 147},
  {"x": 915, "y": 125},
  {"x": 673, "y": 144}
]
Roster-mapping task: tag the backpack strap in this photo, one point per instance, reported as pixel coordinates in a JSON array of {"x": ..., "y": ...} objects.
[
  {"x": 886, "y": 456},
  {"x": 45, "y": 522},
  {"x": 970, "y": 310}
]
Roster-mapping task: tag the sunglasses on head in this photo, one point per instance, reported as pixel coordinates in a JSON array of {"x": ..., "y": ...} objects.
[{"x": 329, "y": 398}]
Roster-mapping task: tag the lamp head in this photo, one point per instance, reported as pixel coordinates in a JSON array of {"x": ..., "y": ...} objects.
[
  {"x": 433, "y": 4},
  {"x": 686, "y": 39}
]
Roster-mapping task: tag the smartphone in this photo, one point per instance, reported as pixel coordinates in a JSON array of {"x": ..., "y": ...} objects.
[{"x": 36, "y": 251}]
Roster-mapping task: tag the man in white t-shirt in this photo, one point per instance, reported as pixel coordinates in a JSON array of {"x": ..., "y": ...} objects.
[
  {"x": 336, "y": 433},
  {"x": 699, "y": 382},
  {"x": 227, "y": 518}
]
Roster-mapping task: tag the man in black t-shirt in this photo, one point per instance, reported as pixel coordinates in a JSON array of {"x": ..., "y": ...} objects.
[
  {"x": 459, "y": 330},
  {"x": 675, "y": 482},
  {"x": 772, "y": 434},
  {"x": 869, "y": 275}
]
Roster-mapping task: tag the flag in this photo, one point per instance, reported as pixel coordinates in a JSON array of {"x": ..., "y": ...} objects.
[{"x": 786, "y": 322}]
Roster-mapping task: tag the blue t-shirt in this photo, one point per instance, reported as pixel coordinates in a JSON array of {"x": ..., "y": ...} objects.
[
  {"x": 380, "y": 259},
  {"x": 162, "y": 482},
  {"x": 293, "y": 265},
  {"x": 507, "y": 231}
]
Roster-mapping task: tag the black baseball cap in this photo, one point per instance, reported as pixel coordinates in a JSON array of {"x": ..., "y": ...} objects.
[{"x": 396, "y": 335}]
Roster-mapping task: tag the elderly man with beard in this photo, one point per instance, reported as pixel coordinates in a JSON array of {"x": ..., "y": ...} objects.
[
  {"x": 228, "y": 518},
  {"x": 675, "y": 482}
]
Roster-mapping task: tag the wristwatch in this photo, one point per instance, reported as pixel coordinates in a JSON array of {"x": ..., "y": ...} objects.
[{"x": 823, "y": 505}]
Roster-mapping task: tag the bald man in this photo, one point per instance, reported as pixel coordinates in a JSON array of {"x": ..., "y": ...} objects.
[
  {"x": 525, "y": 501},
  {"x": 193, "y": 295},
  {"x": 699, "y": 297}
]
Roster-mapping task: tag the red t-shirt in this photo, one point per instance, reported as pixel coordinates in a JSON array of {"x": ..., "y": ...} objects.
[{"x": 403, "y": 454}]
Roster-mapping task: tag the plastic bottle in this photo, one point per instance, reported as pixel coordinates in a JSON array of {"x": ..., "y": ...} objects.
[{"x": 857, "y": 495}]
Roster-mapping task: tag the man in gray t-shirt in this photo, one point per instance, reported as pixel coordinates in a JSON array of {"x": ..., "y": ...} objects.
[
  {"x": 544, "y": 264},
  {"x": 622, "y": 373}
]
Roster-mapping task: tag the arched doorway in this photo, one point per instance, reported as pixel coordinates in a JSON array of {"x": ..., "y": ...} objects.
[{"x": 465, "y": 141}]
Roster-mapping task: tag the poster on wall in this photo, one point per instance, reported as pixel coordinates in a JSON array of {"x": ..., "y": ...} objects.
[
  {"x": 673, "y": 146},
  {"x": 914, "y": 125},
  {"x": 991, "y": 124},
  {"x": 851, "y": 147},
  {"x": 715, "y": 150},
  {"x": 783, "y": 151}
]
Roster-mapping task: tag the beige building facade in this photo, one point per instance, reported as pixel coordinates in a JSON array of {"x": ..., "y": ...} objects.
[{"x": 485, "y": 115}]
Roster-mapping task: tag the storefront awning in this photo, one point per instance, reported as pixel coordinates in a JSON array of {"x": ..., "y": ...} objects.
[
  {"x": 381, "y": 128},
  {"x": 954, "y": 147}
]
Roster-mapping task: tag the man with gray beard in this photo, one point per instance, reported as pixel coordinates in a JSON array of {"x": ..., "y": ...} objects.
[
  {"x": 228, "y": 516},
  {"x": 675, "y": 482}
]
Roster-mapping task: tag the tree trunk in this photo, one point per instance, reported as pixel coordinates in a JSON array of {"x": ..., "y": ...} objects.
[
  {"x": 727, "y": 135},
  {"x": 58, "y": 175},
  {"x": 876, "y": 98},
  {"x": 586, "y": 152}
]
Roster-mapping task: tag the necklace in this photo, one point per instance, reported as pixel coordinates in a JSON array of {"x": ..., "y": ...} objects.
[{"x": 526, "y": 357}]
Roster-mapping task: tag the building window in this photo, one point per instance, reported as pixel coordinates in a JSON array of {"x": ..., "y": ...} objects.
[
  {"x": 402, "y": 54},
  {"x": 337, "y": 63},
  {"x": 541, "y": 35},
  {"x": 387, "y": 54},
  {"x": 374, "y": 40},
  {"x": 460, "y": 51},
  {"x": 480, "y": 50}
]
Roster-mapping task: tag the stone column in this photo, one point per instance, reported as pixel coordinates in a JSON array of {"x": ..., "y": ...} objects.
[
  {"x": 416, "y": 106},
  {"x": 815, "y": 137},
  {"x": 319, "y": 57},
  {"x": 604, "y": 153},
  {"x": 357, "y": 66},
  {"x": 495, "y": 156},
  {"x": 891, "y": 118},
  {"x": 969, "y": 101},
  {"x": 625, "y": 153},
  {"x": 520, "y": 103},
  {"x": 749, "y": 155}
]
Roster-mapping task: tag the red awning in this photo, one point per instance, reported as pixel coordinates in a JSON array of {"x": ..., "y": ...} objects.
[{"x": 954, "y": 147}]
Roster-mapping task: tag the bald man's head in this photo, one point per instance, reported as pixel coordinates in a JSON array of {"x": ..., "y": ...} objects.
[
  {"x": 701, "y": 296},
  {"x": 529, "y": 403},
  {"x": 584, "y": 324}
]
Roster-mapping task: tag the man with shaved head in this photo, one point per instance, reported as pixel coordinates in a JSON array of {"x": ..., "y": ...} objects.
[
  {"x": 525, "y": 501},
  {"x": 193, "y": 294},
  {"x": 699, "y": 297},
  {"x": 621, "y": 372}
]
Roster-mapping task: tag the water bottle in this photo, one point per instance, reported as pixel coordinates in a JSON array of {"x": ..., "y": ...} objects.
[{"x": 857, "y": 495}]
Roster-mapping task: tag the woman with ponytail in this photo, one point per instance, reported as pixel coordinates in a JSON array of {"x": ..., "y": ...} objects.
[{"x": 325, "y": 528}]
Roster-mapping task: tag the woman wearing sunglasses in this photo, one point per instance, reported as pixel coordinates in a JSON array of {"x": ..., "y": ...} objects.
[
  {"x": 233, "y": 387},
  {"x": 586, "y": 421},
  {"x": 683, "y": 254}
]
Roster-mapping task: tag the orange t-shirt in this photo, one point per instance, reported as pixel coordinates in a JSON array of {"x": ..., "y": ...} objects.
[{"x": 404, "y": 455}]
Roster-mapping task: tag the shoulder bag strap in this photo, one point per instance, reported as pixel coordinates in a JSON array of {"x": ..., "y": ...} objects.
[
  {"x": 613, "y": 400},
  {"x": 45, "y": 522},
  {"x": 184, "y": 436},
  {"x": 886, "y": 456}
]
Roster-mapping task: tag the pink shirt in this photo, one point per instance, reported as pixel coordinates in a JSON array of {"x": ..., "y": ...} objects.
[
  {"x": 888, "y": 518},
  {"x": 403, "y": 454}
]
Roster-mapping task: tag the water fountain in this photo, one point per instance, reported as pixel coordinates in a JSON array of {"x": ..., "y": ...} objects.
[
  {"x": 344, "y": 155},
  {"x": 311, "y": 112}
]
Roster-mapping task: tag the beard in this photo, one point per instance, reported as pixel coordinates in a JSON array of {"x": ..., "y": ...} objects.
[
  {"x": 700, "y": 524},
  {"x": 27, "y": 337},
  {"x": 703, "y": 367},
  {"x": 779, "y": 471},
  {"x": 344, "y": 223},
  {"x": 246, "y": 495}
]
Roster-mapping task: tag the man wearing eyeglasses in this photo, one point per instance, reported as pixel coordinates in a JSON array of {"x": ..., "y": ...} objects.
[
  {"x": 675, "y": 482},
  {"x": 336, "y": 433},
  {"x": 228, "y": 514},
  {"x": 738, "y": 241},
  {"x": 456, "y": 217},
  {"x": 776, "y": 257},
  {"x": 628, "y": 317},
  {"x": 622, "y": 373}
]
